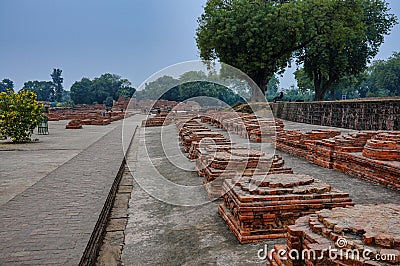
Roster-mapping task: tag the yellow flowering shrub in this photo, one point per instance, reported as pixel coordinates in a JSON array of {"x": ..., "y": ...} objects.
[{"x": 20, "y": 114}]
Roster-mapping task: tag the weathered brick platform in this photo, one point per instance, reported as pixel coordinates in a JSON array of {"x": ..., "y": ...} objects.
[
  {"x": 322, "y": 151},
  {"x": 250, "y": 126},
  {"x": 216, "y": 144},
  {"x": 261, "y": 207},
  {"x": 157, "y": 121},
  {"x": 383, "y": 147},
  {"x": 192, "y": 134},
  {"x": 89, "y": 115},
  {"x": 161, "y": 234},
  {"x": 59, "y": 219},
  {"x": 373, "y": 229},
  {"x": 369, "y": 155},
  {"x": 375, "y": 171},
  {"x": 215, "y": 171},
  {"x": 74, "y": 124},
  {"x": 299, "y": 143}
]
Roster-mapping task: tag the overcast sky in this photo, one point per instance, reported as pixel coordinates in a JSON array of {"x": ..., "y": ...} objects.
[{"x": 86, "y": 38}]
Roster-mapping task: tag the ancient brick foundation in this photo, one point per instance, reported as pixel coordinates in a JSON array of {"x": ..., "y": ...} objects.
[
  {"x": 359, "y": 115},
  {"x": 88, "y": 116},
  {"x": 74, "y": 124},
  {"x": 250, "y": 126},
  {"x": 369, "y": 155},
  {"x": 331, "y": 237},
  {"x": 261, "y": 207},
  {"x": 261, "y": 196},
  {"x": 157, "y": 121}
]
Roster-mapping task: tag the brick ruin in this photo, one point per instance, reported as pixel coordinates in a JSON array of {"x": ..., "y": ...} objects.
[
  {"x": 257, "y": 208},
  {"x": 159, "y": 120},
  {"x": 343, "y": 236},
  {"x": 74, "y": 124},
  {"x": 299, "y": 143},
  {"x": 260, "y": 196},
  {"x": 368, "y": 155},
  {"x": 262, "y": 199},
  {"x": 90, "y": 114},
  {"x": 161, "y": 112},
  {"x": 249, "y": 126}
]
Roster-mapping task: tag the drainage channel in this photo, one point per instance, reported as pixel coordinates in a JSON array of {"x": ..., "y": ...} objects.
[{"x": 114, "y": 236}]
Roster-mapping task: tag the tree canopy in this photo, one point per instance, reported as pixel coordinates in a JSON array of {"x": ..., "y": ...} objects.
[
  {"x": 6, "y": 85},
  {"x": 49, "y": 90},
  {"x": 20, "y": 113},
  {"x": 109, "y": 86},
  {"x": 257, "y": 37},
  {"x": 381, "y": 79},
  {"x": 57, "y": 84},
  {"x": 43, "y": 89},
  {"x": 385, "y": 75},
  {"x": 357, "y": 30},
  {"x": 262, "y": 37},
  {"x": 189, "y": 85}
]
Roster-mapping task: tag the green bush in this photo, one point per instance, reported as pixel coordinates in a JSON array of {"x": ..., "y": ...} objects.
[{"x": 20, "y": 114}]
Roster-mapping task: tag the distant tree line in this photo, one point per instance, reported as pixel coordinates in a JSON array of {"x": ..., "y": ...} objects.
[
  {"x": 381, "y": 79},
  {"x": 104, "y": 89},
  {"x": 50, "y": 91},
  {"x": 190, "y": 85},
  {"x": 6, "y": 85}
]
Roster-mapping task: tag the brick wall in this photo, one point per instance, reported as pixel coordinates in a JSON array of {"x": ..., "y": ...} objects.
[{"x": 359, "y": 115}]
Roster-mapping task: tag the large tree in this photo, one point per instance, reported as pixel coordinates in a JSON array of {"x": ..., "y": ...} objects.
[
  {"x": 57, "y": 83},
  {"x": 81, "y": 92},
  {"x": 154, "y": 89},
  {"x": 385, "y": 75},
  {"x": 258, "y": 36},
  {"x": 43, "y": 89},
  {"x": 356, "y": 31},
  {"x": 99, "y": 89},
  {"x": 6, "y": 85}
]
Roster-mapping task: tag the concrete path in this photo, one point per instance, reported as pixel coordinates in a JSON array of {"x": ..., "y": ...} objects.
[
  {"x": 161, "y": 230},
  {"x": 22, "y": 165},
  {"x": 51, "y": 221},
  {"x": 161, "y": 233}
]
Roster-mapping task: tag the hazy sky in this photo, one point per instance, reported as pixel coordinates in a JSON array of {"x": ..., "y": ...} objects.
[{"x": 86, "y": 38}]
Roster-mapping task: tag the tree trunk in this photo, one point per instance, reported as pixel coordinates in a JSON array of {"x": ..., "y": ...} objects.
[
  {"x": 321, "y": 86},
  {"x": 321, "y": 91},
  {"x": 258, "y": 93},
  {"x": 332, "y": 93},
  {"x": 317, "y": 86}
]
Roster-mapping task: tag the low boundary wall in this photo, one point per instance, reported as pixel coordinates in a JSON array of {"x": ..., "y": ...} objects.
[{"x": 358, "y": 115}]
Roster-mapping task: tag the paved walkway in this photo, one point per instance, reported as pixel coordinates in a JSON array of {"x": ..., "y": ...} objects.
[
  {"x": 22, "y": 165},
  {"x": 160, "y": 233},
  {"x": 161, "y": 230},
  {"x": 52, "y": 220}
]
